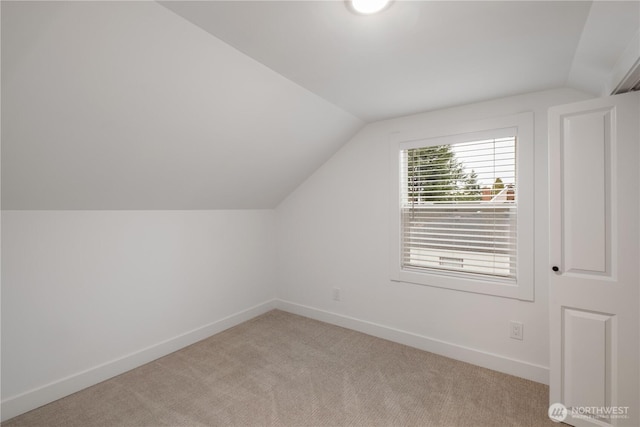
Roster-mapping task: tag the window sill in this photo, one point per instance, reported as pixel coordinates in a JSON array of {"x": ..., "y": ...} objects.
[{"x": 495, "y": 287}]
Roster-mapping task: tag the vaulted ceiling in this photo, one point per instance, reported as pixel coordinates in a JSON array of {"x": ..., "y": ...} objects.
[{"x": 231, "y": 105}]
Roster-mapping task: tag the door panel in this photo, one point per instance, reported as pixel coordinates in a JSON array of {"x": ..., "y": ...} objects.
[
  {"x": 586, "y": 152},
  {"x": 594, "y": 243},
  {"x": 587, "y": 347}
]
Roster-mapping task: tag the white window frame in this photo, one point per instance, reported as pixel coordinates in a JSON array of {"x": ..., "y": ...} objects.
[{"x": 522, "y": 288}]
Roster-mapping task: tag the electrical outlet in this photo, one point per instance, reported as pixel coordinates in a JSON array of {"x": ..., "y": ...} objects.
[
  {"x": 516, "y": 330},
  {"x": 336, "y": 294}
]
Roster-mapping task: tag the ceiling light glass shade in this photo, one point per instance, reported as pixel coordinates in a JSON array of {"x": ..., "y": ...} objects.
[{"x": 367, "y": 7}]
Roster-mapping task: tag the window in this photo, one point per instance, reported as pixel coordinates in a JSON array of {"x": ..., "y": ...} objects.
[
  {"x": 463, "y": 209},
  {"x": 459, "y": 207}
]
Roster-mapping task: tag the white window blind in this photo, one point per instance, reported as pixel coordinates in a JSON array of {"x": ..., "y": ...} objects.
[{"x": 459, "y": 208}]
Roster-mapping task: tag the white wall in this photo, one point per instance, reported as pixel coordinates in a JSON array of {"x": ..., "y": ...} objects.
[
  {"x": 89, "y": 294},
  {"x": 333, "y": 231}
]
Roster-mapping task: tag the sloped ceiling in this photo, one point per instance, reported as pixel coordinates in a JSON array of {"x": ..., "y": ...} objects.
[
  {"x": 225, "y": 105},
  {"x": 611, "y": 30},
  {"x": 121, "y": 105},
  {"x": 413, "y": 57}
]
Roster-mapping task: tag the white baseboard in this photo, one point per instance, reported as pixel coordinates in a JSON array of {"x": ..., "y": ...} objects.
[
  {"x": 492, "y": 361},
  {"x": 16, "y": 405},
  {"x": 32, "y": 399}
]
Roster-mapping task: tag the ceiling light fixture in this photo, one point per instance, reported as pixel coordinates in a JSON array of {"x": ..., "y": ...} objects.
[{"x": 367, "y": 7}]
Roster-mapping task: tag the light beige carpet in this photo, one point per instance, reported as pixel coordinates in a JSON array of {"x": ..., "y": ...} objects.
[{"x": 280, "y": 369}]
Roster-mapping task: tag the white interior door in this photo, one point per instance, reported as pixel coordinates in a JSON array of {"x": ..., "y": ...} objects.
[{"x": 594, "y": 296}]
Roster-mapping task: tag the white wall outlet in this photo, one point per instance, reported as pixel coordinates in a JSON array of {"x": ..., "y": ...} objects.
[
  {"x": 336, "y": 294},
  {"x": 516, "y": 330}
]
